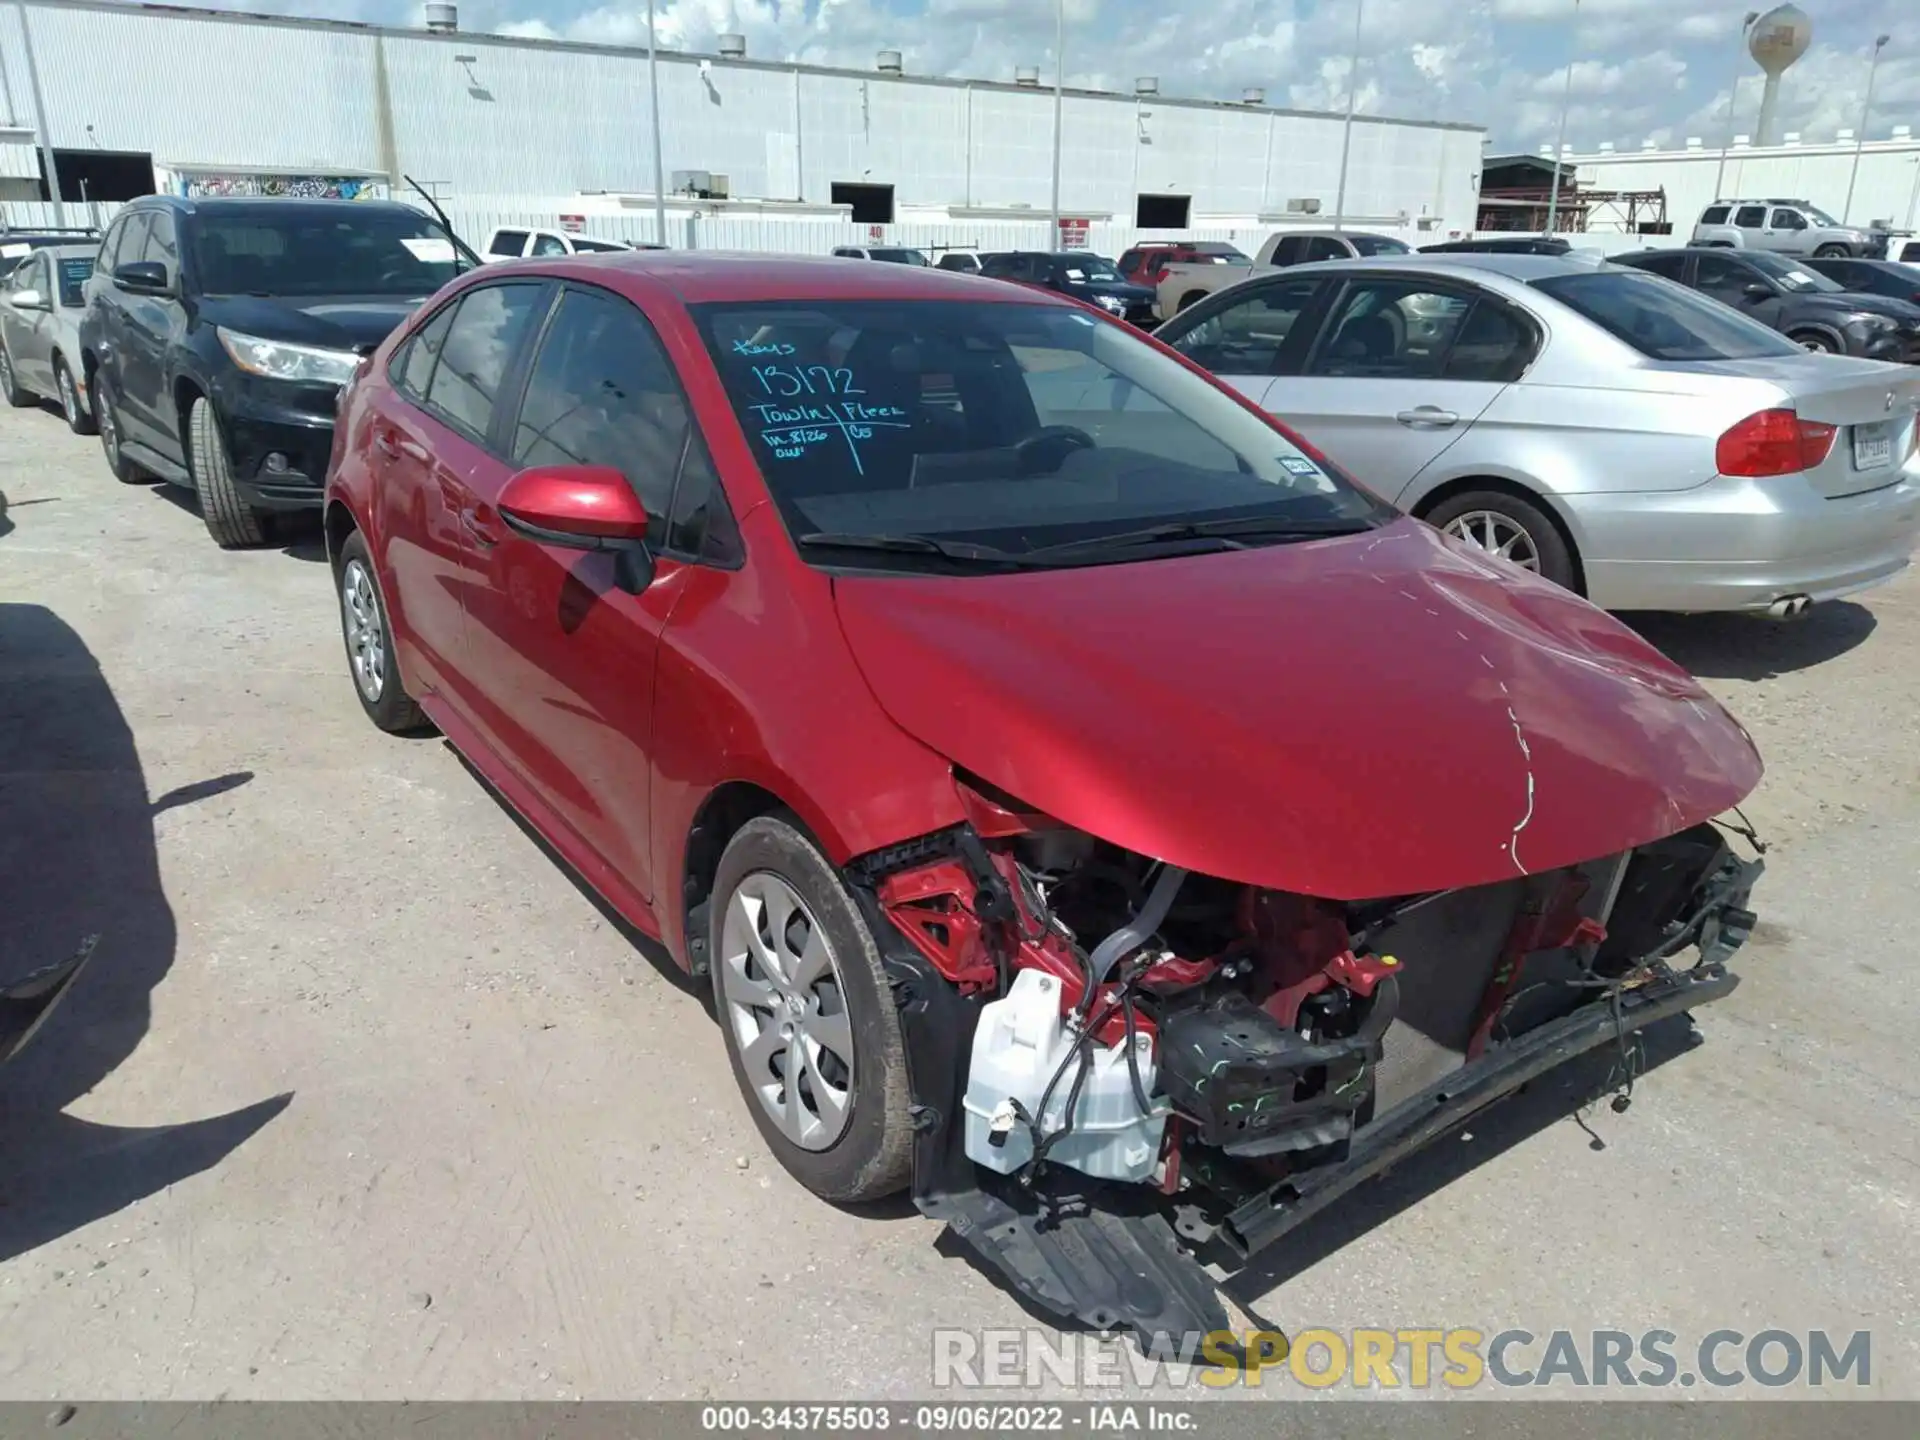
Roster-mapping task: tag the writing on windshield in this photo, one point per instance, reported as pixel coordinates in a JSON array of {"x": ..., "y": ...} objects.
[{"x": 803, "y": 406}]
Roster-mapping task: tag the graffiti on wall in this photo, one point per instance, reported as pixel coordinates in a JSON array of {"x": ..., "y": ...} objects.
[{"x": 307, "y": 187}]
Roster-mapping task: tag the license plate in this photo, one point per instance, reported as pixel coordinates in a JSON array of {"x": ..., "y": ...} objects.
[{"x": 1872, "y": 446}]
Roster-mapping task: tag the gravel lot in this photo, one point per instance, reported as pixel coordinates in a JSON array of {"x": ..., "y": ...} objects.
[{"x": 363, "y": 1097}]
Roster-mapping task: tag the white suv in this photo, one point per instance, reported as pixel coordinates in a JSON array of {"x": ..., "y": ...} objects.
[
  {"x": 1789, "y": 227},
  {"x": 516, "y": 242}
]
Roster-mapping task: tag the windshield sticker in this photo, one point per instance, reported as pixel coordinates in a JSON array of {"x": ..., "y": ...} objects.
[
  {"x": 818, "y": 408},
  {"x": 428, "y": 250},
  {"x": 1076, "y": 274},
  {"x": 1299, "y": 465}
]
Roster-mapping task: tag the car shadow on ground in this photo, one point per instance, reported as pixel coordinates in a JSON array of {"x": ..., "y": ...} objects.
[
  {"x": 298, "y": 536},
  {"x": 1750, "y": 647},
  {"x": 655, "y": 954},
  {"x": 77, "y": 858}
]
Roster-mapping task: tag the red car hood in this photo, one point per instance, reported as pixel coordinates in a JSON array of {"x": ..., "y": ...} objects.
[{"x": 1352, "y": 718}]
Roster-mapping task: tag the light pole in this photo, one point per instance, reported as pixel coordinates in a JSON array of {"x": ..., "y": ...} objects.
[
  {"x": 1726, "y": 139},
  {"x": 1860, "y": 135},
  {"x": 1560, "y": 145},
  {"x": 1346, "y": 130},
  {"x": 659, "y": 174},
  {"x": 40, "y": 117},
  {"x": 1059, "y": 90}
]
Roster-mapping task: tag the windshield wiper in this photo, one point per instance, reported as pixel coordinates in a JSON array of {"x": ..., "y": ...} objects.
[
  {"x": 961, "y": 550},
  {"x": 1233, "y": 533}
]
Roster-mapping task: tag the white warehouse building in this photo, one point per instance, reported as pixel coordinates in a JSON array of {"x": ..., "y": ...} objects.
[
  {"x": 506, "y": 130},
  {"x": 1884, "y": 190}
]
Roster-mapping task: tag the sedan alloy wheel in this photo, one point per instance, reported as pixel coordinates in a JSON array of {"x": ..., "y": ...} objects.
[{"x": 1496, "y": 534}]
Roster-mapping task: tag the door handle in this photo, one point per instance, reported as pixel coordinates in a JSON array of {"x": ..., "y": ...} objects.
[
  {"x": 1427, "y": 417},
  {"x": 483, "y": 524},
  {"x": 393, "y": 445}
]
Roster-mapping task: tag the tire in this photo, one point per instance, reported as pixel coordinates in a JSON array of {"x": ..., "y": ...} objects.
[
  {"x": 79, "y": 418},
  {"x": 869, "y": 1154},
  {"x": 1815, "y": 341},
  {"x": 106, "y": 412},
  {"x": 233, "y": 524},
  {"x": 1469, "y": 516},
  {"x": 1832, "y": 252},
  {"x": 369, "y": 641},
  {"x": 10, "y": 388}
]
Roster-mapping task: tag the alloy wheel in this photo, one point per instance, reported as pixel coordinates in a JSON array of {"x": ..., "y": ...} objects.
[
  {"x": 366, "y": 637},
  {"x": 1496, "y": 534},
  {"x": 109, "y": 425},
  {"x": 69, "y": 402},
  {"x": 781, "y": 990},
  {"x": 6, "y": 372}
]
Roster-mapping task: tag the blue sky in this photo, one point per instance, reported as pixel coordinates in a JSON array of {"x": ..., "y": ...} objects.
[{"x": 1641, "y": 68}]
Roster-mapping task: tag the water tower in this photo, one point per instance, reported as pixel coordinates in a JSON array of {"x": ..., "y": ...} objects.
[{"x": 1777, "y": 39}]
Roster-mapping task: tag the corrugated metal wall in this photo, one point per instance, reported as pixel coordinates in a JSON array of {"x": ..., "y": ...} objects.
[{"x": 524, "y": 118}]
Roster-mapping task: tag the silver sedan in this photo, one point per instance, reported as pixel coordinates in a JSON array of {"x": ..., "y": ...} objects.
[
  {"x": 1608, "y": 429},
  {"x": 40, "y": 309}
]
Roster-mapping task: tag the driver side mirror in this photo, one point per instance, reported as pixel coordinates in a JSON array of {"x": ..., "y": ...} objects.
[
  {"x": 1758, "y": 290},
  {"x": 142, "y": 277},
  {"x": 582, "y": 507},
  {"x": 28, "y": 300}
]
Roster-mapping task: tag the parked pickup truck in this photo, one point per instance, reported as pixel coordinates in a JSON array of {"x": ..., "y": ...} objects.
[
  {"x": 1184, "y": 285},
  {"x": 1787, "y": 227}
]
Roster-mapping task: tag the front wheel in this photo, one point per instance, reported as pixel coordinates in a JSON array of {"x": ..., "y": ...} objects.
[
  {"x": 1832, "y": 252},
  {"x": 233, "y": 523},
  {"x": 808, "y": 1017},
  {"x": 1516, "y": 530},
  {"x": 1819, "y": 344}
]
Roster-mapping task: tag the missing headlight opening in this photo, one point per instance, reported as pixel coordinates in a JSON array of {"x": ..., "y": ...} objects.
[{"x": 1122, "y": 1070}]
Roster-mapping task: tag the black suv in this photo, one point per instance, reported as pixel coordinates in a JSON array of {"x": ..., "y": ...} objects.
[
  {"x": 1079, "y": 273},
  {"x": 218, "y": 334},
  {"x": 1793, "y": 298}
]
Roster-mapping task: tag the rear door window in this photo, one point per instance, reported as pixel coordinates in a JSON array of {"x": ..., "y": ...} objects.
[
  {"x": 546, "y": 244},
  {"x": 1290, "y": 250},
  {"x": 1750, "y": 217},
  {"x": 1674, "y": 267},
  {"x": 1389, "y": 329},
  {"x": 509, "y": 244},
  {"x": 487, "y": 328},
  {"x": 1325, "y": 247}
]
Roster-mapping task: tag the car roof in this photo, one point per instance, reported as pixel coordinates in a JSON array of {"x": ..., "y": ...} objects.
[
  {"x": 1470, "y": 264},
  {"x": 699, "y": 277}
]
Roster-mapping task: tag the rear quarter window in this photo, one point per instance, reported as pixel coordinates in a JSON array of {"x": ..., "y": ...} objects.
[{"x": 1714, "y": 215}]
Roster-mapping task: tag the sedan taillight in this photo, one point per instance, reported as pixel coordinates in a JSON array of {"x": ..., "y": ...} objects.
[{"x": 1773, "y": 442}]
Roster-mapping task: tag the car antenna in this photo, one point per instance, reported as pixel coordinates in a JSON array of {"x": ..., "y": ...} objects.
[{"x": 438, "y": 213}]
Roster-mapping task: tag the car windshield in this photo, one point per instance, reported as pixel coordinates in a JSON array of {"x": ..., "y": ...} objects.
[
  {"x": 924, "y": 431},
  {"x": 339, "y": 249},
  {"x": 1664, "y": 320},
  {"x": 899, "y": 257},
  {"x": 1791, "y": 274},
  {"x": 1085, "y": 269},
  {"x": 74, "y": 270},
  {"x": 1379, "y": 245}
]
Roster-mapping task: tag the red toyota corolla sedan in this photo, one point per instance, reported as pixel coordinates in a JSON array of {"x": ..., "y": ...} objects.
[{"x": 1083, "y": 796}]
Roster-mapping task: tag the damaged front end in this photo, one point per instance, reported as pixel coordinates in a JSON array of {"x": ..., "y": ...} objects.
[{"x": 1116, "y": 1063}]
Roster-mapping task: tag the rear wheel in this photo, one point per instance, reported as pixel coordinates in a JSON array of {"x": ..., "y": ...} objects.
[
  {"x": 106, "y": 406},
  {"x": 808, "y": 1017},
  {"x": 1189, "y": 300},
  {"x": 10, "y": 390},
  {"x": 79, "y": 420},
  {"x": 363, "y": 624},
  {"x": 1516, "y": 530},
  {"x": 233, "y": 524}
]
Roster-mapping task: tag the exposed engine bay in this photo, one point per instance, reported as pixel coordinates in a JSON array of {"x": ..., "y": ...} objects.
[{"x": 1119, "y": 1065}]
